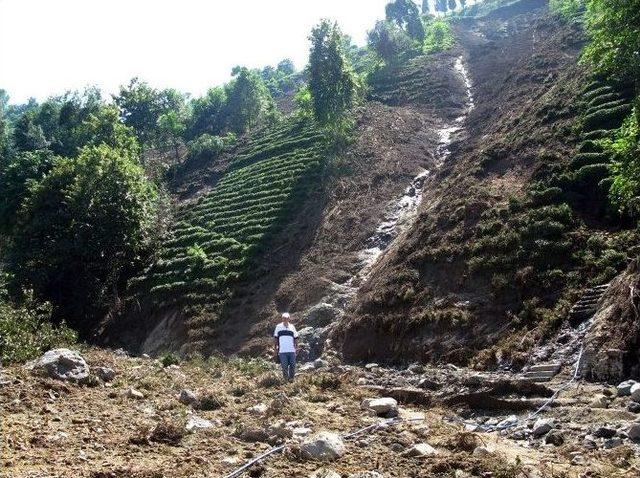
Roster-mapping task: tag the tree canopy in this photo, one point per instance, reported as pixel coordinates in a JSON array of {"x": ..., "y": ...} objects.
[
  {"x": 406, "y": 15},
  {"x": 332, "y": 82}
]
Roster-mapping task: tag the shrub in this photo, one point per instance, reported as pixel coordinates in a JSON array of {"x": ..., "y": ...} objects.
[
  {"x": 26, "y": 330},
  {"x": 209, "y": 401},
  {"x": 438, "y": 36},
  {"x": 169, "y": 359}
]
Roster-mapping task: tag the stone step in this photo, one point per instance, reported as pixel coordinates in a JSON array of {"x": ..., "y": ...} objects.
[
  {"x": 538, "y": 376},
  {"x": 546, "y": 367}
]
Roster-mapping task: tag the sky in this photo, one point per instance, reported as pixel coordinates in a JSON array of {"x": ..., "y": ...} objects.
[{"x": 50, "y": 46}]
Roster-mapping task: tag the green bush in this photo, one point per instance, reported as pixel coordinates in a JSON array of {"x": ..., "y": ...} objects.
[
  {"x": 438, "y": 35},
  {"x": 607, "y": 118},
  {"x": 26, "y": 330}
]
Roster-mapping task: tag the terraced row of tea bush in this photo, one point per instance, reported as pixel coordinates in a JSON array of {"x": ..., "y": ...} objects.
[
  {"x": 216, "y": 237},
  {"x": 605, "y": 107},
  {"x": 413, "y": 83}
]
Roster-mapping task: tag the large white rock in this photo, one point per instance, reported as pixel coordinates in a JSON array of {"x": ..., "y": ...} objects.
[
  {"x": 421, "y": 450},
  {"x": 624, "y": 388},
  {"x": 62, "y": 364},
  {"x": 323, "y": 446},
  {"x": 381, "y": 406},
  {"x": 542, "y": 426},
  {"x": 635, "y": 392}
]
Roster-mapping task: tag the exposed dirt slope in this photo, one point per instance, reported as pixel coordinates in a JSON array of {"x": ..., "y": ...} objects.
[{"x": 426, "y": 300}]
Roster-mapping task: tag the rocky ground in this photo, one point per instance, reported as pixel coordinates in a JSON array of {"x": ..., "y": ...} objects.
[{"x": 120, "y": 416}]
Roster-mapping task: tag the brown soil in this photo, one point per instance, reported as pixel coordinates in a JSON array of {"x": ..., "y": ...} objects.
[
  {"x": 522, "y": 67},
  {"x": 56, "y": 429}
]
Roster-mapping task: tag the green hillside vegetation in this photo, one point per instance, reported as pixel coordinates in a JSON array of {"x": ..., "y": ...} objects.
[{"x": 215, "y": 238}]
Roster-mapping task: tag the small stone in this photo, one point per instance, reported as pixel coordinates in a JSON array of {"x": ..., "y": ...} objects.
[
  {"x": 634, "y": 392},
  {"x": 397, "y": 447},
  {"x": 230, "y": 461},
  {"x": 362, "y": 381},
  {"x": 187, "y": 397},
  {"x": 634, "y": 407},
  {"x": 259, "y": 409},
  {"x": 612, "y": 443},
  {"x": 381, "y": 406},
  {"x": 542, "y": 426},
  {"x": 589, "y": 443},
  {"x": 578, "y": 459},
  {"x": 604, "y": 432},
  {"x": 634, "y": 432},
  {"x": 105, "y": 374},
  {"x": 366, "y": 474},
  {"x": 146, "y": 356},
  {"x": 421, "y": 450},
  {"x": 415, "y": 368},
  {"x": 325, "y": 474},
  {"x": 508, "y": 422},
  {"x": 323, "y": 446},
  {"x": 196, "y": 422},
  {"x": 133, "y": 393},
  {"x": 319, "y": 363},
  {"x": 301, "y": 432},
  {"x": 481, "y": 451},
  {"x": 371, "y": 366},
  {"x": 624, "y": 388},
  {"x": 600, "y": 401},
  {"x": 554, "y": 437}
]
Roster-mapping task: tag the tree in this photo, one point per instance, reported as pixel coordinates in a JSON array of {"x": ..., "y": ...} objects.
[
  {"x": 82, "y": 230},
  {"x": 406, "y": 15},
  {"x": 614, "y": 29},
  {"x": 390, "y": 42},
  {"x": 27, "y": 135},
  {"x": 17, "y": 174},
  {"x": 172, "y": 127},
  {"x": 248, "y": 100},
  {"x": 207, "y": 114},
  {"x": 332, "y": 82}
]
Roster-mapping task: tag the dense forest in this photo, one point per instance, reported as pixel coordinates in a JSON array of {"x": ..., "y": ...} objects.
[{"x": 88, "y": 183}]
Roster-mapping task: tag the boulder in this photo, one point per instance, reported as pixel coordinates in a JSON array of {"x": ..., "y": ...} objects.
[
  {"x": 106, "y": 374},
  {"x": 634, "y": 432},
  {"x": 62, "y": 364},
  {"x": 321, "y": 315},
  {"x": 542, "y": 426},
  {"x": 386, "y": 406},
  {"x": 634, "y": 391},
  {"x": 323, "y": 446},
  {"x": 420, "y": 450},
  {"x": 624, "y": 388},
  {"x": 187, "y": 397}
]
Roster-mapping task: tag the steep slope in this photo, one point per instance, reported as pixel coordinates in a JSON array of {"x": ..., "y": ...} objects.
[
  {"x": 218, "y": 234},
  {"x": 502, "y": 244}
]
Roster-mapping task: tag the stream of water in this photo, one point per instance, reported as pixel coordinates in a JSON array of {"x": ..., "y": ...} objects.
[{"x": 400, "y": 213}]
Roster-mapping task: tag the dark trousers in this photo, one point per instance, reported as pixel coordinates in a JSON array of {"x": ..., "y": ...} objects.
[{"x": 288, "y": 362}]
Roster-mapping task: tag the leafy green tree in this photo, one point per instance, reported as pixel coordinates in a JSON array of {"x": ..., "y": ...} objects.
[
  {"x": 28, "y": 135},
  {"x": 172, "y": 127},
  {"x": 207, "y": 114},
  {"x": 17, "y": 174},
  {"x": 439, "y": 35},
  {"x": 406, "y": 15},
  {"x": 332, "y": 82},
  {"x": 390, "y": 42},
  {"x": 82, "y": 230},
  {"x": 614, "y": 30},
  {"x": 248, "y": 101}
]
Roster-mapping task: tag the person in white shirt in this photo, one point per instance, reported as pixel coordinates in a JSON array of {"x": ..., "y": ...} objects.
[{"x": 285, "y": 339}]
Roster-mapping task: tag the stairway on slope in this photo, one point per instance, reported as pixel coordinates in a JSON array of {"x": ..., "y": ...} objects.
[{"x": 549, "y": 360}]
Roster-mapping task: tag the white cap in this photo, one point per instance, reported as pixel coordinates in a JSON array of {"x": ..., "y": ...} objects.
[{"x": 286, "y": 315}]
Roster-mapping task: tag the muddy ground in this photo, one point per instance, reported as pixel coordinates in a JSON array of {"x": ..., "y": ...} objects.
[{"x": 57, "y": 429}]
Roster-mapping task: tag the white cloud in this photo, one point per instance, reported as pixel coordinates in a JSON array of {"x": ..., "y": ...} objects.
[{"x": 49, "y": 46}]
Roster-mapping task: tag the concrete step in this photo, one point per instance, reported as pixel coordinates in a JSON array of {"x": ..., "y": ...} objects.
[{"x": 538, "y": 376}]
